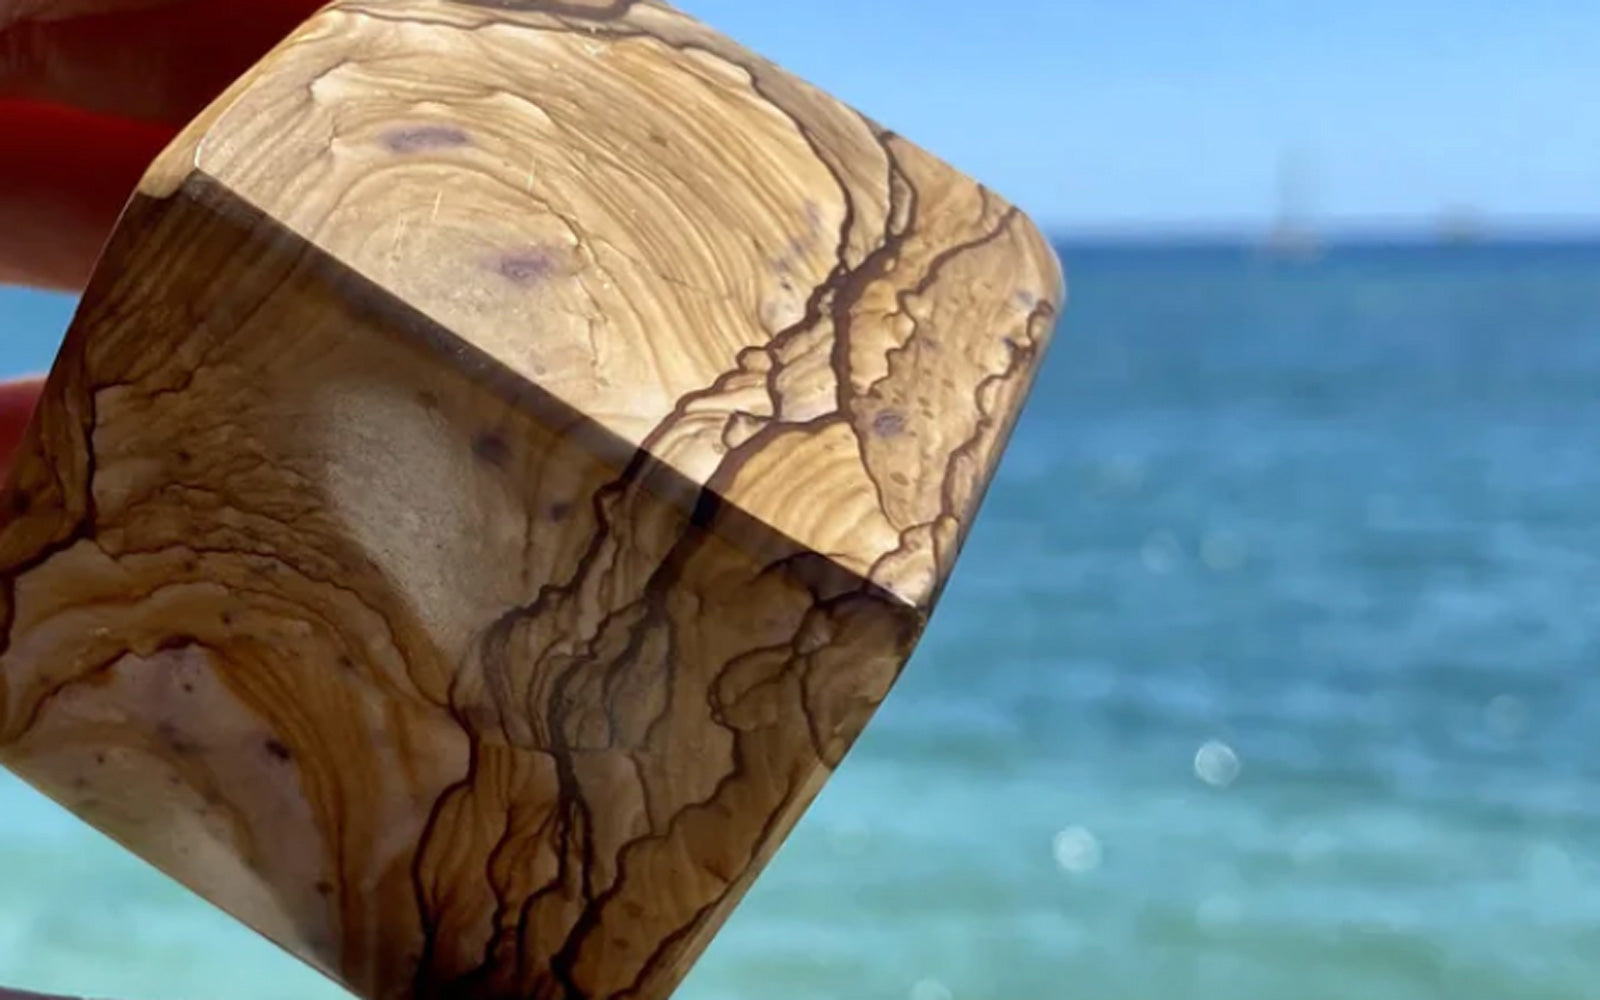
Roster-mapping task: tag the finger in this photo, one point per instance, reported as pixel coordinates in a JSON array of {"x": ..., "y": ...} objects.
[
  {"x": 17, "y": 401},
  {"x": 159, "y": 63},
  {"x": 64, "y": 178}
]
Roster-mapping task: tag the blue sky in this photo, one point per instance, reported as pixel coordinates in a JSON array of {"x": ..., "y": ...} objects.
[{"x": 1176, "y": 114}]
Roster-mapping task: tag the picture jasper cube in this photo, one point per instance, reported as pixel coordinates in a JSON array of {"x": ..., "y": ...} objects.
[{"x": 507, "y": 452}]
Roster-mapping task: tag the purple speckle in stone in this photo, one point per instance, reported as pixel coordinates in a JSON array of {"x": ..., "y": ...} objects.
[
  {"x": 889, "y": 424},
  {"x": 526, "y": 267},
  {"x": 813, "y": 216},
  {"x": 424, "y": 138},
  {"x": 492, "y": 448}
]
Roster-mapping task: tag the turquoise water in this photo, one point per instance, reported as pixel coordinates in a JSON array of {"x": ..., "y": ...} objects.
[{"x": 1269, "y": 674}]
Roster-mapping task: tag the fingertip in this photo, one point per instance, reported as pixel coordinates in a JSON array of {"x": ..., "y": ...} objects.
[
  {"x": 154, "y": 60},
  {"x": 65, "y": 177}
]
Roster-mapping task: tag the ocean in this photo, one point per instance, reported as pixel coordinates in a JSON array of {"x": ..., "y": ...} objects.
[{"x": 1269, "y": 674}]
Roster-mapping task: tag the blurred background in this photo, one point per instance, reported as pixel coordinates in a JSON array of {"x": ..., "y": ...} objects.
[{"x": 1270, "y": 671}]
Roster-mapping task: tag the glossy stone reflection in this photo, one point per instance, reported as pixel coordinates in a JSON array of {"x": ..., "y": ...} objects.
[{"x": 580, "y": 420}]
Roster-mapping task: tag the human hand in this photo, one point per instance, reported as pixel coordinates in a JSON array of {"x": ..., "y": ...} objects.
[{"x": 90, "y": 91}]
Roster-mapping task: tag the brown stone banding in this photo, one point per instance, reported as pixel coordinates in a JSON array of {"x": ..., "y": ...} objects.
[{"x": 506, "y": 456}]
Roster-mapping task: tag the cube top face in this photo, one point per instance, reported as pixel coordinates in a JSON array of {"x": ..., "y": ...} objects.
[{"x": 800, "y": 313}]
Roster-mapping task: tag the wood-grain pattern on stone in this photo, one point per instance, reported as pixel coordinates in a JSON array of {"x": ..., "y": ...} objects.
[{"x": 506, "y": 455}]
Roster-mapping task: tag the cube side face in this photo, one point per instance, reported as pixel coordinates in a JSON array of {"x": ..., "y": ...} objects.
[
  {"x": 338, "y": 629},
  {"x": 817, "y": 321}
]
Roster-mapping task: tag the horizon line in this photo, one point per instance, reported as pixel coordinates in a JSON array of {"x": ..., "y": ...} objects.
[
  {"x": 1459, "y": 225},
  {"x": 1313, "y": 239}
]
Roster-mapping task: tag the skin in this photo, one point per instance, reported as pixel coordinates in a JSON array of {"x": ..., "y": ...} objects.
[{"x": 90, "y": 90}]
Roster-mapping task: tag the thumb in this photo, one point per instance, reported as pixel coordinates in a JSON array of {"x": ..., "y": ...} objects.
[
  {"x": 156, "y": 60},
  {"x": 12, "y": 11}
]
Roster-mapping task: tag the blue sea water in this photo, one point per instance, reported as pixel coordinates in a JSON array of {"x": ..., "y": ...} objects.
[{"x": 1270, "y": 673}]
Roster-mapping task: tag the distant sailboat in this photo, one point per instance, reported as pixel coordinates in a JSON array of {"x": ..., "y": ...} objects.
[
  {"x": 1291, "y": 236},
  {"x": 1459, "y": 225}
]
